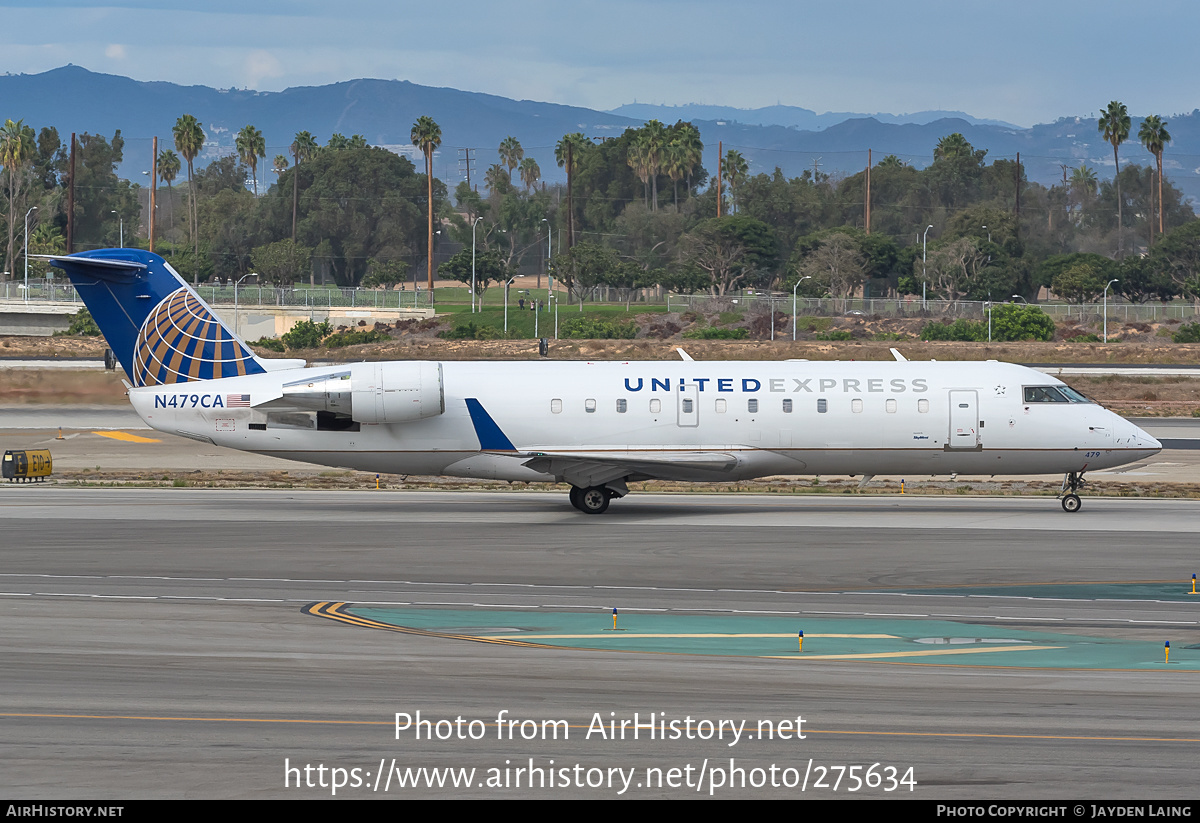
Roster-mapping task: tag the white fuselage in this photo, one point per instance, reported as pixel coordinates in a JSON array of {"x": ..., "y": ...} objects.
[{"x": 794, "y": 417}]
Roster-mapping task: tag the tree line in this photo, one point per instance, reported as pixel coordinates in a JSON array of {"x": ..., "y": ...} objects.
[{"x": 637, "y": 210}]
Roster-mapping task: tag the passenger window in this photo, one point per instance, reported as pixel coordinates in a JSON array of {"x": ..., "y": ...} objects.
[
  {"x": 822, "y": 406},
  {"x": 622, "y": 406},
  {"x": 589, "y": 406},
  {"x": 687, "y": 405},
  {"x": 556, "y": 406},
  {"x": 856, "y": 405},
  {"x": 891, "y": 406},
  {"x": 922, "y": 406},
  {"x": 752, "y": 406},
  {"x": 721, "y": 405},
  {"x": 787, "y": 405},
  {"x": 655, "y": 406}
]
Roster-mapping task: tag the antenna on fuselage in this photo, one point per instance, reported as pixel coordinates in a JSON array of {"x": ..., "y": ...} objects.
[
  {"x": 684, "y": 355},
  {"x": 899, "y": 357}
]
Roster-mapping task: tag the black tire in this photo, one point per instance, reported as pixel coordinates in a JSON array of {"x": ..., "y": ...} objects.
[
  {"x": 576, "y": 493},
  {"x": 594, "y": 500},
  {"x": 1071, "y": 503}
]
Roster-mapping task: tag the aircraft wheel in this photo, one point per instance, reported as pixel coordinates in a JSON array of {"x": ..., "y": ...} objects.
[
  {"x": 576, "y": 493},
  {"x": 1071, "y": 503},
  {"x": 594, "y": 500}
]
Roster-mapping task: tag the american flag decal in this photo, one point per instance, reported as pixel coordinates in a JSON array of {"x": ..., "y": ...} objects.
[{"x": 237, "y": 401}]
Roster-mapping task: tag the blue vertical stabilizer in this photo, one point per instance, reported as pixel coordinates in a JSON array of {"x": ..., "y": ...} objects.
[{"x": 159, "y": 329}]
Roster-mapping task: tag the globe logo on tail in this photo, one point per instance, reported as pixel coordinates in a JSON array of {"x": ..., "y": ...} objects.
[{"x": 182, "y": 340}]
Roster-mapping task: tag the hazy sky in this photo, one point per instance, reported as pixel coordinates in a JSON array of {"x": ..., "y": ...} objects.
[{"x": 1020, "y": 61}]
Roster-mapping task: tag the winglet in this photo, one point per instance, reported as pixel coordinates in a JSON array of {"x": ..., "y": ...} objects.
[{"x": 489, "y": 434}]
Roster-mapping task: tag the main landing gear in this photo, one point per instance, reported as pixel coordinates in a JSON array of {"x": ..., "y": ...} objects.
[
  {"x": 593, "y": 499},
  {"x": 1070, "y": 500}
]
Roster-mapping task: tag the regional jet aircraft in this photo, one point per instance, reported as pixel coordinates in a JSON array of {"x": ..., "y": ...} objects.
[{"x": 595, "y": 426}]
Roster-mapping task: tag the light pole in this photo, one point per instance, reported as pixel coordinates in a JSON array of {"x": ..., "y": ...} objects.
[
  {"x": 1110, "y": 282},
  {"x": 507, "y": 283},
  {"x": 798, "y": 282},
  {"x": 473, "y": 225},
  {"x": 1022, "y": 299},
  {"x": 235, "y": 299},
  {"x": 549, "y": 277},
  {"x": 924, "y": 305},
  {"x": 31, "y": 211},
  {"x": 122, "y": 219}
]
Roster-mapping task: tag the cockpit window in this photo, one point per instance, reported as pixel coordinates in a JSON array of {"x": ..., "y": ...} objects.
[{"x": 1053, "y": 394}]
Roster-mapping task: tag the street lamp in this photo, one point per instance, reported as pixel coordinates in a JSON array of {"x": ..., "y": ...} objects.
[
  {"x": 473, "y": 225},
  {"x": 924, "y": 305},
  {"x": 1022, "y": 299},
  {"x": 1110, "y": 282},
  {"x": 235, "y": 298},
  {"x": 507, "y": 283},
  {"x": 31, "y": 211},
  {"x": 798, "y": 282},
  {"x": 122, "y": 219}
]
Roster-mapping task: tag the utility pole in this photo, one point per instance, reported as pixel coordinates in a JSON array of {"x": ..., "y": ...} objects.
[
  {"x": 720, "y": 195},
  {"x": 71, "y": 200},
  {"x": 464, "y": 164},
  {"x": 1017, "y": 186},
  {"x": 868, "y": 218},
  {"x": 153, "y": 186}
]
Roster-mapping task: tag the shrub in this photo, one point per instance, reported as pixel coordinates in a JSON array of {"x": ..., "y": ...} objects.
[
  {"x": 354, "y": 338},
  {"x": 1015, "y": 321},
  {"x": 306, "y": 334},
  {"x": 716, "y": 334},
  {"x": 268, "y": 343},
  {"x": 588, "y": 329},
  {"x": 963, "y": 330},
  {"x": 834, "y": 334},
  {"x": 81, "y": 324},
  {"x": 1189, "y": 333}
]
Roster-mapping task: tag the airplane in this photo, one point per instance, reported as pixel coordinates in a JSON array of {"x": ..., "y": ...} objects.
[{"x": 595, "y": 425}]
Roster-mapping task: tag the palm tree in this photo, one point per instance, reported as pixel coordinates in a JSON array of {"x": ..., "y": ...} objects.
[
  {"x": 302, "y": 148},
  {"x": 427, "y": 136},
  {"x": 735, "y": 172},
  {"x": 511, "y": 154},
  {"x": 638, "y": 158},
  {"x": 168, "y": 170},
  {"x": 1154, "y": 137},
  {"x": 656, "y": 143},
  {"x": 689, "y": 137},
  {"x": 280, "y": 163},
  {"x": 675, "y": 164},
  {"x": 1114, "y": 125},
  {"x": 251, "y": 146},
  {"x": 189, "y": 139},
  {"x": 1083, "y": 185},
  {"x": 17, "y": 147},
  {"x": 568, "y": 153},
  {"x": 531, "y": 172}
]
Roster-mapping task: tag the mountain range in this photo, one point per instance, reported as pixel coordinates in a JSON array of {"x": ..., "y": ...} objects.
[{"x": 72, "y": 98}]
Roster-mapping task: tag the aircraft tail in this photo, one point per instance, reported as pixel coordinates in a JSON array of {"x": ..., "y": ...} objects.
[{"x": 159, "y": 329}]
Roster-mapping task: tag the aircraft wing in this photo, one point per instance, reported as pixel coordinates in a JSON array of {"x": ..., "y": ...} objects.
[{"x": 586, "y": 469}]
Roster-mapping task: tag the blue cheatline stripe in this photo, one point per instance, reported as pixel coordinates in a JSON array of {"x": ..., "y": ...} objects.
[{"x": 489, "y": 434}]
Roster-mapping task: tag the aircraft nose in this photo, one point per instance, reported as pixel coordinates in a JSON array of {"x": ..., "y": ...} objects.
[{"x": 1140, "y": 439}]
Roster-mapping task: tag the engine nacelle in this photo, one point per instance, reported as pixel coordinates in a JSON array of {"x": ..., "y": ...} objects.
[
  {"x": 393, "y": 392},
  {"x": 396, "y": 392}
]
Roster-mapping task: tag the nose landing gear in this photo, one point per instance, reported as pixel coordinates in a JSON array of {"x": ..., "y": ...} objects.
[{"x": 1072, "y": 481}]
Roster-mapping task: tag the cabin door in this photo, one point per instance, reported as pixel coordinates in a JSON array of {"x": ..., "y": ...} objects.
[{"x": 964, "y": 421}]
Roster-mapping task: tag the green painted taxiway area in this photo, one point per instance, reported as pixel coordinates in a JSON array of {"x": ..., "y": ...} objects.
[{"x": 892, "y": 641}]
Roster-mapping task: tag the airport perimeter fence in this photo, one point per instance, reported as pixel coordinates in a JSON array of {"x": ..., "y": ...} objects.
[
  {"x": 45, "y": 291},
  {"x": 249, "y": 296}
]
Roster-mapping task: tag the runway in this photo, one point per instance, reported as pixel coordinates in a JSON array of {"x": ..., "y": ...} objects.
[{"x": 158, "y": 644}]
